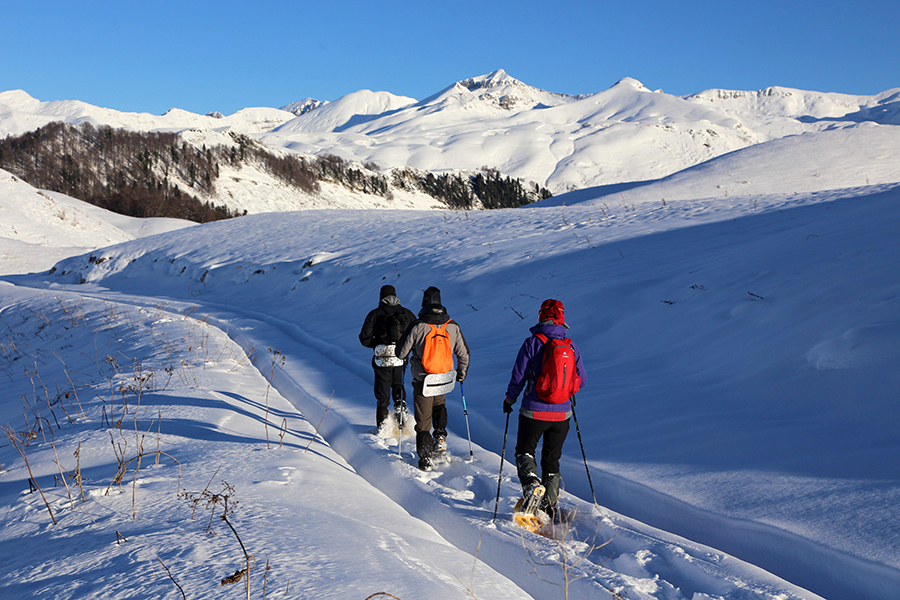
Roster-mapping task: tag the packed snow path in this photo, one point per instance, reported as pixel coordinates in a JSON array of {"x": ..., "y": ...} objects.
[{"x": 598, "y": 552}]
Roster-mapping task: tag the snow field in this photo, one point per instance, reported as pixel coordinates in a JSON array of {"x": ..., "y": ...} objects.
[
  {"x": 206, "y": 400},
  {"x": 741, "y": 393}
]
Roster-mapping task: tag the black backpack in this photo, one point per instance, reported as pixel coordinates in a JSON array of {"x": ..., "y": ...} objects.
[{"x": 394, "y": 326}]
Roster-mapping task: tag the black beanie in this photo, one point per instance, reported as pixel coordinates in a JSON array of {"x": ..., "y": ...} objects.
[
  {"x": 387, "y": 290},
  {"x": 431, "y": 296}
]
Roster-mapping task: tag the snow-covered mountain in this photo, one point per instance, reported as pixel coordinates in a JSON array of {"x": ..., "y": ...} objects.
[
  {"x": 624, "y": 134},
  {"x": 19, "y": 112}
]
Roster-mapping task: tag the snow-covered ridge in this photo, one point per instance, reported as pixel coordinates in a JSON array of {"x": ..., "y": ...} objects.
[
  {"x": 624, "y": 134},
  {"x": 301, "y": 107},
  {"x": 346, "y": 110},
  {"x": 785, "y": 102},
  {"x": 19, "y": 112}
]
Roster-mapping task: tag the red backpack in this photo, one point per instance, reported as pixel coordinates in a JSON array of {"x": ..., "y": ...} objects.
[{"x": 558, "y": 379}]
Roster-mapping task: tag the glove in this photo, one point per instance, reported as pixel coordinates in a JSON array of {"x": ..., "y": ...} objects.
[{"x": 507, "y": 406}]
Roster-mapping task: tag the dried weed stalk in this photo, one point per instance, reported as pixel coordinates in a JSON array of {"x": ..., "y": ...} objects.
[{"x": 212, "y": 501}]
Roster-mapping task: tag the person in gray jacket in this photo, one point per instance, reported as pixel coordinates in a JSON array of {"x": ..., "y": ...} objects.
[{"x": 431, "y": 411}]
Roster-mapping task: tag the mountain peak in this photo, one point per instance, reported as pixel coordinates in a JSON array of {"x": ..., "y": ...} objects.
[
  {"x": 491, "y": 80},
  {"x": 498, "y": 90},
  {"x": 301, "y": 107},
  {"x": 17, "y": 99},
  {"x": 631, "y": 83}
]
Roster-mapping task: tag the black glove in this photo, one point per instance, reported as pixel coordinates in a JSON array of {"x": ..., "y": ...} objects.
[{"x": 507, "y": 406}]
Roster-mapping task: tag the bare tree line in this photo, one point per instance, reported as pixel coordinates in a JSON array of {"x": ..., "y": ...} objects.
[{"x": 158, "y": 174}]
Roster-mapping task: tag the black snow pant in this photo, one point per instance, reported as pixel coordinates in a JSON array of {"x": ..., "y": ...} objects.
[
  {"x": 430, "y": 412},
  {"x": 554, "y": 434},
  {"x": 388, "y": 386}
]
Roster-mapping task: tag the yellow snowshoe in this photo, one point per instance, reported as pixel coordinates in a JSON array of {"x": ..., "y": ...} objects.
[{"x": 526, "y": 514}]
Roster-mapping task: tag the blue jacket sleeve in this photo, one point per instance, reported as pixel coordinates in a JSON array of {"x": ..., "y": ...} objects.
[
  {"x": 579, "y": 365},
  {"x": 520, "y": 371}
]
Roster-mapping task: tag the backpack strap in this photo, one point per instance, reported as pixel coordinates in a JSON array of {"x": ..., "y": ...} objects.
[
  {"x": 544, "y": 339},
  {"x": 439, "y": 327}
]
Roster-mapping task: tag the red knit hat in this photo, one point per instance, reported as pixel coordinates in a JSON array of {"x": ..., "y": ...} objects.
[{"x": 552, "y": 310}]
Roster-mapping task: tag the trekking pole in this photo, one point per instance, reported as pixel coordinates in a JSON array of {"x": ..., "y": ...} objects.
[
  {"x": 500, "y": 476},
  {"x": 466, "y": 413},
  {"x": 400, "y": 432},
  {"x": 578, "y": 431}
]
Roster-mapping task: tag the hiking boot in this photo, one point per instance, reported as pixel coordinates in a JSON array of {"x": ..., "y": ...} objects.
[
  {"x": 526, "y": 469},
  {"x": 529, "y": 486},
  {"x": 440, "y": 444},
  {"x": 424, "y": 446},
  {"x": 552, "y": 481},
  {"x": 550, "y": 509}
]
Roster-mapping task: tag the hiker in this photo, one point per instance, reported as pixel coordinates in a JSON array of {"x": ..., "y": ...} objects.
[
  {"x": 382, "y": 328},
  {"x": 431, "y": 411},
  {"x": 543, "y": 414}
]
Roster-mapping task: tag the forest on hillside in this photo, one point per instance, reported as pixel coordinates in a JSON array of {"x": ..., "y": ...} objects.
[{"x": 159, "y": 174}]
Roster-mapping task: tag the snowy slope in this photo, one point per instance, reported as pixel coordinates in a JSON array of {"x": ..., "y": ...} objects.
[
  {"x": 37, "y": 227},
  {"x": 828, "y": 160},
  {"x": 314, "y": 526},
  {"x": 742, "y": 390},
  {"x": 251, "y": 187}
]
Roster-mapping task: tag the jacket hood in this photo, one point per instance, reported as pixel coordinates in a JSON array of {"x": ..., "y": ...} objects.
[{"x": 434, "y": 314}]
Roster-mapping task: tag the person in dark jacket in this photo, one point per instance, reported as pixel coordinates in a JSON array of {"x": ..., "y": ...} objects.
[
  {"x": 538, "y": 418},
  {"x": 431, "y": 410},
  {"x": 381, "y": 329}
]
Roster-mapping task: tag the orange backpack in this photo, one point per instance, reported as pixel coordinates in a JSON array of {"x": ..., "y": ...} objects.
[{"x": 437, "y": 355}]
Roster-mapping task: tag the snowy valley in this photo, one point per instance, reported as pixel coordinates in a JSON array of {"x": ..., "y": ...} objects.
[{"x": 728, "y": 264}]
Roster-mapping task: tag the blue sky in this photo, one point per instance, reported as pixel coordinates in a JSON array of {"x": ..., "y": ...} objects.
[{"x": 205, "y": 56}]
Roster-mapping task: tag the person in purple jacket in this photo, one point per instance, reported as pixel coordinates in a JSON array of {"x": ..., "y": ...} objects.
[{"x": 538, "y": 418}]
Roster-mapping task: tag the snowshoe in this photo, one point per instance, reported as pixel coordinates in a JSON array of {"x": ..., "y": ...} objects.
[
  {"x": 527, "y": 514},
  {"x": 439, "y": 455}
]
